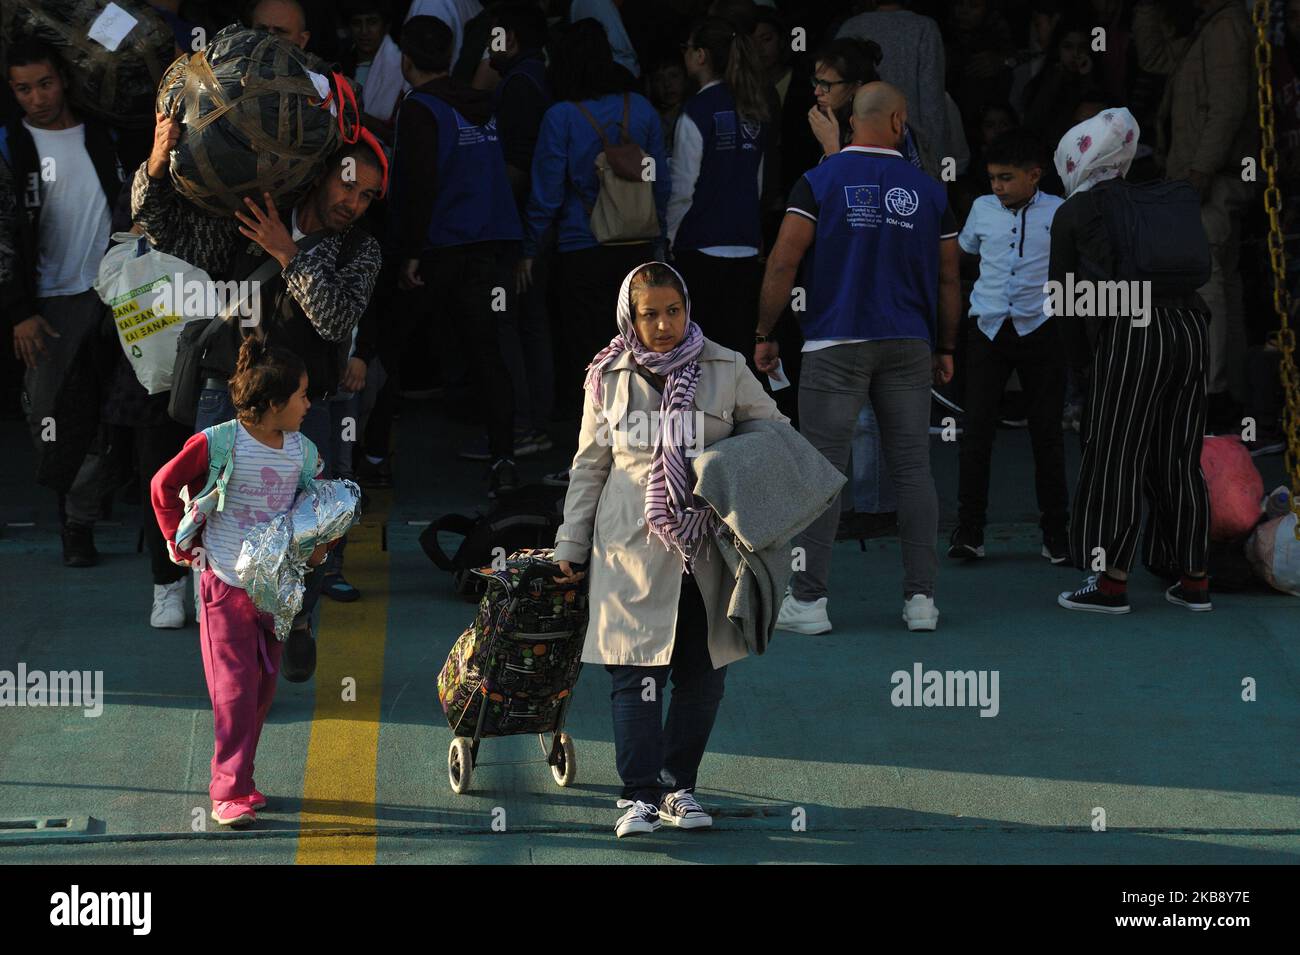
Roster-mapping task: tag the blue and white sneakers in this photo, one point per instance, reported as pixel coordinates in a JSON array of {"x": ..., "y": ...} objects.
[
  {"x": 640, "y": 817},
  {"x": 681, "y": 810}
]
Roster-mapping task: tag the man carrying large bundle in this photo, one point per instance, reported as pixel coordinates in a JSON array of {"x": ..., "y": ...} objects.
[
  {"x": 59, "y": 178},
  {"x": 316, "y": 271}
]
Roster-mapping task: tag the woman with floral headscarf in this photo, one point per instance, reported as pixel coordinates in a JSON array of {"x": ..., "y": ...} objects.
[
  {"x": 1143, "y": 375},
  {"x": 656, "y": 396}
]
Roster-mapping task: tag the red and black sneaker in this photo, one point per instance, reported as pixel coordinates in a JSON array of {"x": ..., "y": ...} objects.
[
  {"x": 1187, "y": 594},
  {"x": 1099, "y": 594}
]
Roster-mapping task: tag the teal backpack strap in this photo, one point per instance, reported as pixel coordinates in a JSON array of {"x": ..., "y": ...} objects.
[
  {"x": 221, "y": 458},
  {"x": 310, "y": 461}
]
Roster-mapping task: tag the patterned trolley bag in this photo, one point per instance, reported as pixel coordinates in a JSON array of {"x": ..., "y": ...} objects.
[{"x": 513, "y": 670}]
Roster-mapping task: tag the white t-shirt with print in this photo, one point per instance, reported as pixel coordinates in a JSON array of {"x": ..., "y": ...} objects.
[{"x": 262, "y": 486}]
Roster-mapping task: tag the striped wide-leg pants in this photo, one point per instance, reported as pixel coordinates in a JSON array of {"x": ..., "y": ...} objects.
[{"x": 1142, "y": 433}]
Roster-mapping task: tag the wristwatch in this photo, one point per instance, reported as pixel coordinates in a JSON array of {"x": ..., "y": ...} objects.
[{"x": 760, "y": 339}]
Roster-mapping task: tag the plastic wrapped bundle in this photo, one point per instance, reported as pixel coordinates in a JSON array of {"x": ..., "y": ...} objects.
[
  {"x": 272, "y": 562},
  {"x": 115, "y": 52},
  {"x": 1274, "y": 552},
  {"x": 259, "y": 115}
]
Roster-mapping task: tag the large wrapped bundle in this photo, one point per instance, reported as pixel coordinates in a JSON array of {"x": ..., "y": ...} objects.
[
  {"x": 115, "y": 52},
  {"x": 1235, "y": 487},
  {"x": 258, "y": 114}
]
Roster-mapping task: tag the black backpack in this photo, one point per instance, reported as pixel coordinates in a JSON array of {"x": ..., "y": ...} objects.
[
  {"x": 1155, "y": 235},
  {"x": 525, "y": 518}
]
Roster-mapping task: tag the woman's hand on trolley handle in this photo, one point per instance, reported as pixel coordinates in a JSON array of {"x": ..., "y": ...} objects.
[{"x": 571, "y": 576}]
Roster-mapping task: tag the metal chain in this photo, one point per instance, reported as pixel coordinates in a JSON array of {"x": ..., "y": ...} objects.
[{"x": 1285, "y": 335}]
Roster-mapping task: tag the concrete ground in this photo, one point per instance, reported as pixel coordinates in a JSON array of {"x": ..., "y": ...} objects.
[{"x": 1136, "y": 720}]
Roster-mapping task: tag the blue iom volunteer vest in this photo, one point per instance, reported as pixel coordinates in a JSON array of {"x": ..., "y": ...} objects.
[
  {"x": 873, "y": 271},
  {"x": 724, "y": 208},
  {"x": 474, "y": 201}
]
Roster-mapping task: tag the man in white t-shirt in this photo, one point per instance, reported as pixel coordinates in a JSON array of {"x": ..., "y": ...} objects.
[{"x": 59, "y": 180}]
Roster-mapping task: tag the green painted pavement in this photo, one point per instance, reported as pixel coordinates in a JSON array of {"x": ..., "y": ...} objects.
[{"x": 1140, "y": 716}]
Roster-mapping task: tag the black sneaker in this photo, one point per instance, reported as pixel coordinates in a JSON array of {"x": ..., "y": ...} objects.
[
  {"x": 503, "y": 479},
  {"x": 966, "y": 543},
  {"x": 79, "y": 545},
  {"x": 374, "y": 475},
  {"x": 1198, "y": 600},
  {"x": 1089, "y": 597},
  {"x": 298, "y": 662},
  {"x": 1056, "y": 546},
  {"x": 337, "y": 588}
]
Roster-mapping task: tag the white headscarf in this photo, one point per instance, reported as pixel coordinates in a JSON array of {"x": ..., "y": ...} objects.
[{"x": 1097, "y": 149}]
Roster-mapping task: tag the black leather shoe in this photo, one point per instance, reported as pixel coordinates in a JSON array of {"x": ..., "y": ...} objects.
[
  {"x": 298, "y": 662},
  {"x": 79, "y": 545}
]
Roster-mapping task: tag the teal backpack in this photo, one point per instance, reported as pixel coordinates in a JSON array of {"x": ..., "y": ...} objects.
[{"x": 221, "y": 465}]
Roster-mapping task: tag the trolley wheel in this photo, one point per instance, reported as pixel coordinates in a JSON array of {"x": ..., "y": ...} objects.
[
  {"x": 565, "y": 768},
  {"x": 460, "y": 764}
]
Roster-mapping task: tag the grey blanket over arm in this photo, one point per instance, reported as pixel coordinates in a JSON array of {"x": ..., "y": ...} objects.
[{"x": 767, "y": 483}]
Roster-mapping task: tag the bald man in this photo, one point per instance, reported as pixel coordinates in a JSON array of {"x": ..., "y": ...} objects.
[
  {"x": 879, "y": 248},
  {"x": 284, "y": 18}
]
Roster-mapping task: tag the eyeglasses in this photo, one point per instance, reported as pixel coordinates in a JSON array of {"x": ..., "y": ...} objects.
[{"x": 825, "y": 86}]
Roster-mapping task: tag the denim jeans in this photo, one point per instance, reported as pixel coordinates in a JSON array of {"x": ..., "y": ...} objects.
[
  {"x": 873, "y": 491},
  {"x": 894, "y": 376},
  {"x": 655, "y": 758}
]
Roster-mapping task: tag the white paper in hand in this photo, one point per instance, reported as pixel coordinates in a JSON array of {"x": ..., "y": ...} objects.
[
  {"x": 777, "y": 378},
  {"x": 111, "y": 27}
]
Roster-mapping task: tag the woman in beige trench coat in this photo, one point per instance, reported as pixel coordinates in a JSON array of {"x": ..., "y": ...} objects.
[{"x": 657, "y": 396}]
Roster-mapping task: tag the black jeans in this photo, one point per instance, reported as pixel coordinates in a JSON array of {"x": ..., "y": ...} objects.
[
  {"x": 1039, "y": 359},
  {"x": 655, "y": 758},
  {"x": 469, "y": 288},
  {"x": 724, "y": 297},
  {"x": 591, "y": 279},
  {"x": 155, "y": 445}
]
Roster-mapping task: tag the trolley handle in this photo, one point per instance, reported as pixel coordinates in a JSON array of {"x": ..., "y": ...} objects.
[{"x": 539, "y": 571}]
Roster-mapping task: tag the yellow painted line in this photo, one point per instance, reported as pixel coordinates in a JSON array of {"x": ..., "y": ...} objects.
[{"x": 338, "y": 787}]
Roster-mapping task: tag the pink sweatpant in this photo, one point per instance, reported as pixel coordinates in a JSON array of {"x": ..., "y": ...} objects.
[{"x": 241, "y": 660}]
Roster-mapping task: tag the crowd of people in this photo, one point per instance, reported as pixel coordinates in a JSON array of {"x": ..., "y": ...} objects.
[{"x": 878, "y": 192}]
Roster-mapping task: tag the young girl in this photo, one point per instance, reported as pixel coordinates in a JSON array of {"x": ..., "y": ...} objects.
[
  {"x": 714, "y": 221},
  {"x": 269, "y": 458}
]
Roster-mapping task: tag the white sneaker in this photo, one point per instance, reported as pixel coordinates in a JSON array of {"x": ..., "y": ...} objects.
[
  {"x": 920, "y": 613},
  {"x": 799, "y": 616},
  {"x": 640, "y": 817},
  {"x": 681, "y": 810},
  {"x": 168, "y": 606}
]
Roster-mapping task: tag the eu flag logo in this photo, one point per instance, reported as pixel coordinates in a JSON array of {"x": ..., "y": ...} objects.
[{"x": 862, "y": 197}]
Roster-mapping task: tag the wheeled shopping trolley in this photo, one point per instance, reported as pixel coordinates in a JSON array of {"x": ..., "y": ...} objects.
[{"x": 513, "y": 671}]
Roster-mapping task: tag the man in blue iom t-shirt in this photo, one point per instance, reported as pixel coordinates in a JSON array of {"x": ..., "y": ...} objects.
[{"x": 878, "y": 245}]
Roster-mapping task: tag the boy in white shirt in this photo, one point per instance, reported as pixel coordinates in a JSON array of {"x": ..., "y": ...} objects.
[{"x": 1010, "y": 232}]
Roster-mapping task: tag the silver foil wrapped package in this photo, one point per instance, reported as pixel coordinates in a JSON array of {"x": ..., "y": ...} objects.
[{"x": 272, "y": 562}]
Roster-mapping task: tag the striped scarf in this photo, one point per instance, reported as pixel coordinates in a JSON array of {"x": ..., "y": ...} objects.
[{"x": 672, "y": 511}]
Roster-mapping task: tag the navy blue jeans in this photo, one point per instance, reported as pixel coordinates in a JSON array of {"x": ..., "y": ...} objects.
[{"x": 654, "y": 757}]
